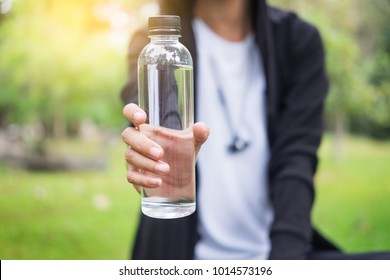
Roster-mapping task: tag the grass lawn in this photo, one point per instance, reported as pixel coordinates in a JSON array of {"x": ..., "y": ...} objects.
[
  {"x": 352, "y": 205},
  {"x": 68, "y": 215},
  {"x": 92, "y": 215}
]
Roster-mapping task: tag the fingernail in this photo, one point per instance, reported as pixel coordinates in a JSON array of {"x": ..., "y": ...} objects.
[
  {"x": 155, "y": 181},
  {"x": 138, "y": 116},
  {"x": 162, "y": 167},
  {"x": 155, "y": 152}
]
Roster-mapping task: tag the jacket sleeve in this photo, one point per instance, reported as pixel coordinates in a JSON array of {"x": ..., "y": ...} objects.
[
  {"x": 139, "y": 40},
  {"x": 295, "y": 138}
]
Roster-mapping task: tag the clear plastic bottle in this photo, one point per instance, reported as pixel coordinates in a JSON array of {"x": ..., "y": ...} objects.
[{"x": 165, "y": 92}]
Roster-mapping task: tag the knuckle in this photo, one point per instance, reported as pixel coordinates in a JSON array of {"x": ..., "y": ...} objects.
[
  {"x": 125, "y": 133},
  {"x": 139, "y": 146},
  {"x": 129, "y": 155},
  {"x": 130, "y": 178}
]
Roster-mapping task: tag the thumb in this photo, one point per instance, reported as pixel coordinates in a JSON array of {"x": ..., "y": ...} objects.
[{"x": 201, "y": 133}]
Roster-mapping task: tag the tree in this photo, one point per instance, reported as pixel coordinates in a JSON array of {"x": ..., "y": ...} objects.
[
  {"x": 356, "y": 35},
  {"x": 59, "y": 64}
]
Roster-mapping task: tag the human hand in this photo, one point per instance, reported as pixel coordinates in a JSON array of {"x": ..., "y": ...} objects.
[{"x": 146, "y": 164}]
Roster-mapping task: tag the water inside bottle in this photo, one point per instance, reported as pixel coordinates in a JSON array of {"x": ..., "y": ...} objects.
[{"x": 166, "y": 96}]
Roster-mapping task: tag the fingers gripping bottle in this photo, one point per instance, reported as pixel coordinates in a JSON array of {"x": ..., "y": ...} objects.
[{"x": 165, "y": 92}]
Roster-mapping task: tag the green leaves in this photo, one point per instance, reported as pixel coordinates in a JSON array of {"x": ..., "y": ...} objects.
[
  {"x": 356, "y": 35},
  {"x": 57, "y": 60}
]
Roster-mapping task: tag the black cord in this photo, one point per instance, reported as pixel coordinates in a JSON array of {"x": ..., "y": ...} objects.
[{"x": 238, "y": 144}]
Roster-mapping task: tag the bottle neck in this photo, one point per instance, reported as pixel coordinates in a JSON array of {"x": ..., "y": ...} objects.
[{"x": 164, "y": 38}]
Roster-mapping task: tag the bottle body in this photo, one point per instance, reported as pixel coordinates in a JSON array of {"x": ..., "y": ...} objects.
[{"x": 165, "y": 92}]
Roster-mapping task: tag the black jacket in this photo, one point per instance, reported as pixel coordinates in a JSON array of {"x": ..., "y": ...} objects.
[{"x": 293, "y": 57}]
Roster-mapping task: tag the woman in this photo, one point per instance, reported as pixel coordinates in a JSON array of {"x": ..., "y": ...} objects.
[{"x": 260, "y": 86}]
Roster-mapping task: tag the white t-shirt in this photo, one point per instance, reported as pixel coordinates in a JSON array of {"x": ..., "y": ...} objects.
[{"x": 235, "y": 213}]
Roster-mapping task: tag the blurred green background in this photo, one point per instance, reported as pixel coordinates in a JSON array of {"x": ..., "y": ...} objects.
[{"x": 63, "y": 188}]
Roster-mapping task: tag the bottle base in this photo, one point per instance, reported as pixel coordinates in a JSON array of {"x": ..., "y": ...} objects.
[{"x": 168, "y": 210}]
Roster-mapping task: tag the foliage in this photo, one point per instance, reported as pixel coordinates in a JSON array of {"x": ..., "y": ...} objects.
[
  {"x": 60, "y": 63},
  {"x": 380, "y": 65},
  {"x": 357, "y": 41}
]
